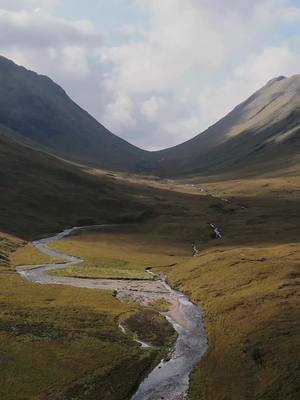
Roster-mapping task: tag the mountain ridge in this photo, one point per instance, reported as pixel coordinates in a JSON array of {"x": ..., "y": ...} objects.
[
  {"x": 39, "y": 109},
  {"x": 271, "y": 112},
  {"x": 259, "y": 129}
]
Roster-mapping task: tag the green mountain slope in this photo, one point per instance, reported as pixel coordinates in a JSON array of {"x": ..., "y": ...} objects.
[
  {"x": 41, "y": 111},
  {"x": 41, "y": 193},
  {"x": 261, "y": 132}
]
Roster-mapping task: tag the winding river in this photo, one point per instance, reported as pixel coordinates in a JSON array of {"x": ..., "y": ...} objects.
[{"x": 170, "y": 379}]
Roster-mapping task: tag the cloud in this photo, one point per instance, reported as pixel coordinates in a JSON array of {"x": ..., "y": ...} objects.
[
  {"x": 119, "y": 114},
  {"x": 152, "y": 107},
  {"x": 248, "y": 76},
  {"x": 193, "y": 61},
  {"x": 127, "y": 30},
  {"x": 201, "y": 58},
  {"x": 29, "y": 4},
  {"x": 38, "y": 30},
  {"x": 67, "y": 51}
]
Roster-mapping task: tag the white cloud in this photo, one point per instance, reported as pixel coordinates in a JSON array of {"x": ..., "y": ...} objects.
[
  {"x": 201, "y": 58},
  {"x": 120, "y": 113},
  {"x": 127, "y": 30},
  {"x": 38, "y": 29},
  {"x": 250, "y": 75},
  {"x": 75, "y": 61},
  {"x": 152, "y": 107},
  {"x": 29, "y": 4},
  {"x": 192, "y": 63},
  {"x": 65, "y": 50}
]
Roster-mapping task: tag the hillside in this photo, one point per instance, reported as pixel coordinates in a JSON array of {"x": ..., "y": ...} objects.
[
  {"x": 247, "y": 284},
  {"x": 41, "y": 111},
  {"x": 38, "y": 188},
  {"x": 261, "y": 131}
]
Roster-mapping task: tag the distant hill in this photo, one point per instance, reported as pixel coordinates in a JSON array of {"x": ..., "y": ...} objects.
[
  {"x": 262, "y": 131},
  {"x": 41, "y": 111}
]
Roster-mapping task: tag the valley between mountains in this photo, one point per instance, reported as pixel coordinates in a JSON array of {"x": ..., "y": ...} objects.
[{"x": 71, "y": 342}]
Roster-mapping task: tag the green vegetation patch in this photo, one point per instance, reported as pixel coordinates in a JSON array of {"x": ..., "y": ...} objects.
[
  {"x": 29, "y": 255},
  {"x": 161, "y": 305},
  {"x": 158, "y": 332},
  {"x": 113, "y": 255},
  {"x": 106, "y": 268}
]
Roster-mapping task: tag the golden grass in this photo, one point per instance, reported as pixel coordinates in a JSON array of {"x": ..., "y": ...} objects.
[
  {"x": 250, "y": 297},
  {"x": 29, "y": 255},
  {"x": 247, "y": 284},
  {"x": 58, "y": 342},
  {"x": 87, "y": 270},
  {"x": 109, "y": 254}
]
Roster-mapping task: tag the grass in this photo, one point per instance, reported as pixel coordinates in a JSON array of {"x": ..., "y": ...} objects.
[
  {"x": 103, "y": 267},
  {"x": 58, "y": 342},
  {"x": 250, "y": 296},
  {"x": 41, "y": 194},
  {"x": 62, "y": 343},
  {"x": 112, "y": 255},
  {"x": 29, "y": 255},
  {"x": 247, "y": 284},
  {"x": 161, "y": 305},
  {"x": 158, "y": 329},
  {"x": 96, "y": 272}
]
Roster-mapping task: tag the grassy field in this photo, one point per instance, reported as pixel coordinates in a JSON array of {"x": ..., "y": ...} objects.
[
  {"x": 58, "y": 342},
  {"x": 113, "y": 254},
  {"x": 106, "y": 268},
  {"x": 247, "y": 283},
  {"x": 250, "y": 296},
  {"x": 61, "y": 342},
  {"x": 29, "y": 255}
]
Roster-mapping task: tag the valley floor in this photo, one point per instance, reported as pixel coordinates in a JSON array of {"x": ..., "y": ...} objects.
[{"x": 60, "y": 343}]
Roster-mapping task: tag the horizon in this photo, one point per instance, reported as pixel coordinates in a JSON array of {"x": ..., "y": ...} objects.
[{"x": 122, "y": 61}]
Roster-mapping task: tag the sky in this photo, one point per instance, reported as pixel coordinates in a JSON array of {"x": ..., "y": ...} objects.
[{"x": 154, "y": 72}]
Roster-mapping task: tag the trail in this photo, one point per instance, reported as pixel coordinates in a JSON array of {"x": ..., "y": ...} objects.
[{"x": 170, "y": 379}]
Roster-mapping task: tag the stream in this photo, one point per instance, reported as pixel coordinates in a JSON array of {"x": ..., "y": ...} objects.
[{"x": 170, "y": 379}]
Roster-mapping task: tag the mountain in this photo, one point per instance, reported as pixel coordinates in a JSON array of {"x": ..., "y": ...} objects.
[
  {"x": 42, "y": 193},
  {"x": 41, "y": 111},
  {"x": 263, "y": 130}
]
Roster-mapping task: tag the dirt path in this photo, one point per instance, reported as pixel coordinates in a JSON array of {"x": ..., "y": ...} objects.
[{"x": 170, "y": 379}]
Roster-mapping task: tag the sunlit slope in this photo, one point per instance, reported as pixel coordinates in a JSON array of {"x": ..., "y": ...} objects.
[
  {"x": 262, "y": 132},
  {"x": 248, "y": 285}
]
